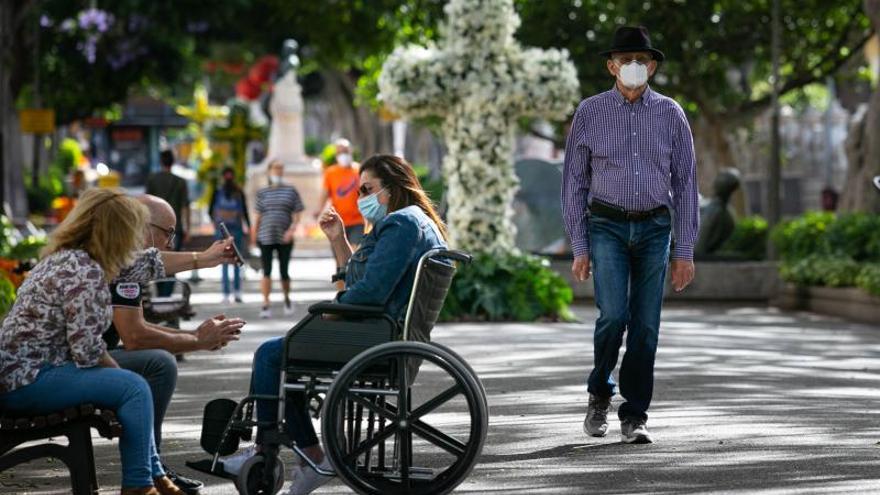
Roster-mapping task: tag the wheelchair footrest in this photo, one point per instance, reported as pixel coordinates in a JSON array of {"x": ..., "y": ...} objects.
[{"x": 204, "y": 466}]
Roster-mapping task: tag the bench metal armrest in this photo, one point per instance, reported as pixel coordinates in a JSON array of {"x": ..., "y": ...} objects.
[{"x": 334, "y": 308}]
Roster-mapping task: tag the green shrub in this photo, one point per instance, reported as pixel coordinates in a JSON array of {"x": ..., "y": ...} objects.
[
  {"x": 27, "y": 249},
  {"x": 856, "y": 235},
  {"x": 869, "y": 279},
  {"x": 749, "y": 239},
  {"x": 824, "y": 270},
  {"x": 803, "y": 236},
  {"x": 505, "y": 288},
  {"x": 7, "y": 295}
]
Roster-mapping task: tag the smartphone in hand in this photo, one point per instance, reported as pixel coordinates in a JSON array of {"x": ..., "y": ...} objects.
[{"x": 239, "y": 260}]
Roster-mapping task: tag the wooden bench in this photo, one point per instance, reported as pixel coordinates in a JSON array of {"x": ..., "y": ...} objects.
[{"x": 74, "y": 423}]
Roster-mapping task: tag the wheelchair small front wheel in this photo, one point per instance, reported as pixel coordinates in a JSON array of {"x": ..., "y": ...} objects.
[
  {"x": 388, "y": 429},
  {"x": 251, "y": 479}
]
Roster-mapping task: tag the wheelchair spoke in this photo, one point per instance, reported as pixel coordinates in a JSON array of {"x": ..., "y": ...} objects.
[
  {"x": 436, "y": 402},
  {"x": 383, "y": 412},
  {"x": 438, "y": 438},
  {"x": 369, "y": 444}
]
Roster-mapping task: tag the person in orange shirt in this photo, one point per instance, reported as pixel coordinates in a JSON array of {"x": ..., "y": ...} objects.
[{"x": 340, "y": 187}]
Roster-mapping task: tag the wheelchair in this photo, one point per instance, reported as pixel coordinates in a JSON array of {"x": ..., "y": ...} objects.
[{"x": 392, "y": 403}]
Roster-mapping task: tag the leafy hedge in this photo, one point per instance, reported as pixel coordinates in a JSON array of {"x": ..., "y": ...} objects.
[
  {"x": 831, "y": 250},
  {"x": 748, "y": 240},
  {"x": 508, "y": 288}
]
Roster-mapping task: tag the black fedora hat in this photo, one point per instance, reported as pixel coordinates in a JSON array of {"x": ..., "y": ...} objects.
[{"x": 633, "y": 39}]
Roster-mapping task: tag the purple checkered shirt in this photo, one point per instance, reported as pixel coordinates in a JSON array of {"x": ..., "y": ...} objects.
[{"x": 638, "y": 156}]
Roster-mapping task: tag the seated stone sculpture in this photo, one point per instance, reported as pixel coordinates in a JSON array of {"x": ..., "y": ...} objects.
[{"x": 717, "y": 217}]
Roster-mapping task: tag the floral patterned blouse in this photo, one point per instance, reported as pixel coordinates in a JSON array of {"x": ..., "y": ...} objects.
[{"x": 61, "y": 311}]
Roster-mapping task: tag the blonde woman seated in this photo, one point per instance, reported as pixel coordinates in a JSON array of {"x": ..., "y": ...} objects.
[{"x": 52, "y": 355}]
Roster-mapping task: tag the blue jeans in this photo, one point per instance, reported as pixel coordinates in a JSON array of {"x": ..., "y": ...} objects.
[
  {"x": 266, "y": 379},
  {"x": 126, "y": 392},
  {"x": 159, "y": 369},
  {"x": 629, "y": 261},
  {"x": 237, "y": 234}
]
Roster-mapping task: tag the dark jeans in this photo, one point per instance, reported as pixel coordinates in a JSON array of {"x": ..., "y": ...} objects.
[
  {"x": 266, "y": 379},
  {"x": 629, "y": 262},
  {"x": 283, "y": 250},
  {"x": 159, "y": 368}
]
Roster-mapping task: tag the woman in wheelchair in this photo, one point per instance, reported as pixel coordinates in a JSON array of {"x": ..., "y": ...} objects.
[
  {"x": 380, "y": 273},
  {"x": 52, "y": 356}
]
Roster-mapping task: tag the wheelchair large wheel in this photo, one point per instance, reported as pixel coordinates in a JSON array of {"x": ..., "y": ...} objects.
[
  {"x": 384, "y": 437},
  {"x": 250, "y": 479}
]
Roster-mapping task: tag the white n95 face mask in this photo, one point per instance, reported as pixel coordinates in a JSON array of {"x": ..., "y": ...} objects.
[{"x": 633, "y": 74}]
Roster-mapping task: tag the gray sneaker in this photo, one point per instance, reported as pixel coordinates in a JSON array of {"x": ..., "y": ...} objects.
[
  {"x": 634, "y": 431},
  {"x": 596, "y": 422}
]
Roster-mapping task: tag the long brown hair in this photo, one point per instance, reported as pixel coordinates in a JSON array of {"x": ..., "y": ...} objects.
[
  {"x": 403, "y": 186},
  {"x": 107, "y": 224}
]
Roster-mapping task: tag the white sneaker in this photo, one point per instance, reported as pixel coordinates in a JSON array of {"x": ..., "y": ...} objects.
[
  {"x": 305, "y": 480},
  {"x": 225, "y": 299},
  {"x": 288, "y": 310},
  {"x": 232, "y": 463},
  {"x": 238, "y": 297},
  {"x": 266, "y": 313}
]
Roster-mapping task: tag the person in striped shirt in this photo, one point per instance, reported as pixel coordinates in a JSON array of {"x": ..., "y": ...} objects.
[
  {"x": 279, "y": 209},
  {"x": 629, "y": 200}
]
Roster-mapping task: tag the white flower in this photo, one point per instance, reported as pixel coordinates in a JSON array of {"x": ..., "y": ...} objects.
[{"x": 479, "y": 98}]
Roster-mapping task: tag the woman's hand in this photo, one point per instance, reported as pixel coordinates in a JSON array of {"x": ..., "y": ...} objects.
[{"x": 331, "y": 224}]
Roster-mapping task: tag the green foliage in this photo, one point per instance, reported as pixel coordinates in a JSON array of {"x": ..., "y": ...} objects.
[
  {"x": 18, "y": 249},
  {"x": 856, "y": 235},
  {"x": 513, "y": 287},
  {"x": 749, "y": 239},
  {"x": 27, "y": 249},
  {"x": 869, "y": 279},
  {"x": 7, "y": 295},
  {"x": 803, "y": 236},
  {"x": 68, "y": 157},
  {"x": 703, "y": 69},
  {"x": 825, "y": 270},
  {"x": 7, "y": 234},
  {"x": 313, "y": 146},
  {"x": 434, "y": 187},
  {"x": 821, "y": 249}
]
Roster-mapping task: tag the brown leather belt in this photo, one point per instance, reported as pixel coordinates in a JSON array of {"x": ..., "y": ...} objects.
[{"x": 613, "y": 212}]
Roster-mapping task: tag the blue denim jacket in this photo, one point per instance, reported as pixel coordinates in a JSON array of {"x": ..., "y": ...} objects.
[{"x": 382, "y": 271}]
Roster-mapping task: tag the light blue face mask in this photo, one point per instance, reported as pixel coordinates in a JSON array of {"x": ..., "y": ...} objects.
[{"x": 371, "y": 209}]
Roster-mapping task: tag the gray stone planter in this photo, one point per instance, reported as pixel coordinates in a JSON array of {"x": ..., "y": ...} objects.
[
  {"x": 714, "y": 281},
  {"x": 846, "y": 302}
]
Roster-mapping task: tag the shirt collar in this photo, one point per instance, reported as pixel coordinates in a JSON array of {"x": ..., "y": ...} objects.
[{"x": 646, "y": 98}]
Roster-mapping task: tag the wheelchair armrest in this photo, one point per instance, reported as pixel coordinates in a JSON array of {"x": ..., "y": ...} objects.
[{"x": 334, "y": 308}]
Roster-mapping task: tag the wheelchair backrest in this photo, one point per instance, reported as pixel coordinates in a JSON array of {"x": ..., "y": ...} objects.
[{"x": 433, "y": 279}]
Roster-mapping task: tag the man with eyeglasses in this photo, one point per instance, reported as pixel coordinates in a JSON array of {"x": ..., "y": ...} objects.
[
  {"x": 629, "y": 190},
  {"x": 147, "y": 348}
]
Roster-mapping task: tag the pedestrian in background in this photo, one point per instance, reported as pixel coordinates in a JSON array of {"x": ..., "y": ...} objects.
[
  {"x": 228, "y": 205},
  {"x": 278, "y": 211},
  {"x": 340, "y": 186},
  {"x": 172, "y": 189}
]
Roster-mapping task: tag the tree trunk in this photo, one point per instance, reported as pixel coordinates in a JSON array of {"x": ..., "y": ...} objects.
[
  {"x": 11, "y": 179},
  {"x": 713, "y": 149},
  {"x": 359, "y": 124},
  {"x": 863, "y": 146}
]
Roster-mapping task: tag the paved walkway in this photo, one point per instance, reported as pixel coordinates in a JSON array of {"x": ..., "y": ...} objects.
[{"x": 748, "y": 400}]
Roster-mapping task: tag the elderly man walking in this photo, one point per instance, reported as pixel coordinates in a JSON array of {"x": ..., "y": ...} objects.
[{"x": 629, "y": 197}]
